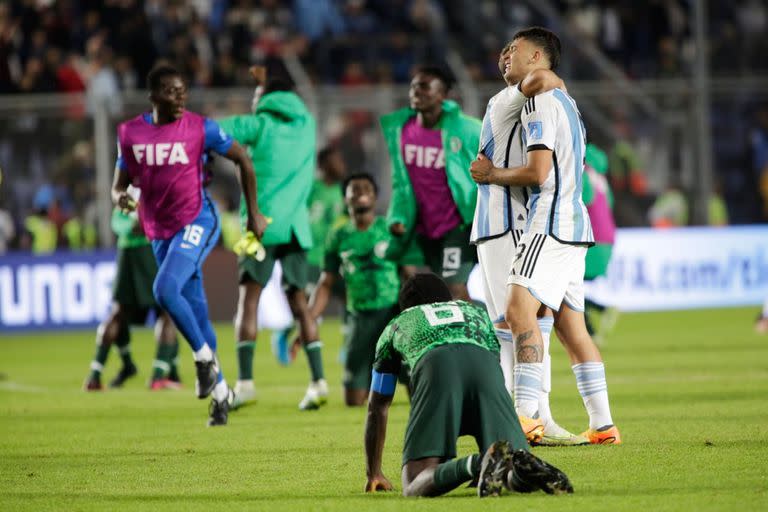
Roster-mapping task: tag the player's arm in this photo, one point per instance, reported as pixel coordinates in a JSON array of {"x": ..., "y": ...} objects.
[
  {"x": 257, "y": 222},
  {"x": 539, "y": 81},
  {"x": 319, "y": 299},
  {"x": 538, "y": 121},
  {"x": 120, "y": 196},
  {"x": 375, "y": 434},
  {"x": 534, "y": 173}
]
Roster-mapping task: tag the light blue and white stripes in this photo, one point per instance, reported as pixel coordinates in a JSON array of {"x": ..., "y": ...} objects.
[
  {"x": 590, "y": 378},
  {"x": 527, "y": 385}
]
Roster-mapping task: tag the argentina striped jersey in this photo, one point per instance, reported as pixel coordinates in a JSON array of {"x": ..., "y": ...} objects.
[
  {"x": 552, "y": 121},
  {"x": 501, "y": 209}
]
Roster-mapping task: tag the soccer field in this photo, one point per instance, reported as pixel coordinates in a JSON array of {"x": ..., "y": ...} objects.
[{"x": 689, "y": 391}]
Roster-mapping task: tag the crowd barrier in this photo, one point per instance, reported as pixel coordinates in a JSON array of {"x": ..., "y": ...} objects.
[{"x": 651, "y": 270}]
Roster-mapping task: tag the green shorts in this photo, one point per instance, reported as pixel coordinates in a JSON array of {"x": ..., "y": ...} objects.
[
  {"x": 451, "y": 257},
  {"x": 136, "y": 270},
  {"x": 458, "y": 389},
  {"x": 362, "y": 333},
  {"x": 596, "y": 261},
  {"x": 293, "y": 259}
]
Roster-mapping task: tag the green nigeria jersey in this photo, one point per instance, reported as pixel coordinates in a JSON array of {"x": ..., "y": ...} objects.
[
  {"x": 419, "y": 329},
  {"x": 326, "y": 205},
  {"x": 124, "y": 226},
  {"x": 371, "y": 280}
]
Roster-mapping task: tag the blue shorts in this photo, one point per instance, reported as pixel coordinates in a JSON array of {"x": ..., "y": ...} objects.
[{"x": 195, "y": 240}]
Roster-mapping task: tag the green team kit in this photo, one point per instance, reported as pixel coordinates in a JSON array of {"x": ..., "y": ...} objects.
[
  {"x": 372, "y": 285},
  {"x": 136, "y": 267},
  {"x": 450, "y": 346}
]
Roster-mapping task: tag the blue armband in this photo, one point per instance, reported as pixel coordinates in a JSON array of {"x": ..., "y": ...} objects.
[{"x": 383, "y": 383}]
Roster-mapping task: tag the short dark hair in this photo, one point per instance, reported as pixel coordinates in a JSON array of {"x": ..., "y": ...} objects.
[
  {"x": 544, "y": 39},
  {"x": 359, "y": 176},
  {"x": 157, "y": 73},
  {"x": 438, "y": 72},
  {"x": 278, "y": 83},
  {"x": 423, "y": 288}
]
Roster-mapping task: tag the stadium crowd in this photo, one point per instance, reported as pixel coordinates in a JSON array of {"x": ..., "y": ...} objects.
[{"x": 101, "y": 48}]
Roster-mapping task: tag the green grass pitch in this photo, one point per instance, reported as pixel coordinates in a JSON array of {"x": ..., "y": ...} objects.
[{"x": 689, "y": 391}]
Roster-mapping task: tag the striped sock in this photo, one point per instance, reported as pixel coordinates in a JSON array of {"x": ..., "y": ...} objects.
[
  {"x": 590, "y": 379},
  {"x": 245, "y": 350},
  {"x": 545, "y": 326},
  {"x": 506, "y": 357},
  {"x": 314, "y": 351},
  {"x": 452, "y": 473},
  {"x": 527, "y": 388}
]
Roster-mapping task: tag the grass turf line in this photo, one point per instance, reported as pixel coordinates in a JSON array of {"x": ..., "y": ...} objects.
[{"x": 688, "y": 390}]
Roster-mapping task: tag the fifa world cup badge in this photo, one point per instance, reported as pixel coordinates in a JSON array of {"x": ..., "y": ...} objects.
[{"x": 455, "y": 143}]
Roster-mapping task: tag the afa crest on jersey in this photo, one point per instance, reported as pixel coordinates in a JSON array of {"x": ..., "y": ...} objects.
[{"x": 535, "y": 130}]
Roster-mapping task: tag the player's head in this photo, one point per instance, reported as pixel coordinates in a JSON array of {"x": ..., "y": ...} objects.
[
  {"x": 331, "y": 163},
  {"x": 503, "y": 57},
  {"x": 360, "y": 192},
  {"x": 429, "y": 87},
  {"x": 421, "y": 289},
  {"x": 167, "y": 91},
  {"x": 530, "y": 49}
]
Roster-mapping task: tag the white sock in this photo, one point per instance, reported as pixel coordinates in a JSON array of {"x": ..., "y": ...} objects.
[
  {"x": 527, "y": 388},
  {"x": 321, "y": 386},
  {"x": 221, "y": 391},
  {"x": 545, "y": 326},
  {"x": 204, "y": 354},
  {"x": 245, "y": 384},
  {"x": 590, "y": 379},
  {"x": 506, "y": 357}
]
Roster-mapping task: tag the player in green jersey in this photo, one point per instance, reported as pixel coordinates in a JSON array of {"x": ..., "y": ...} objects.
[
  {"x": 326, "y": 210},
  {"x": 457, "y": 389},
  {"x": 131, "y": 301},
  {"x": 281, "y": 138},
  {"x": 356, "y": 250}
]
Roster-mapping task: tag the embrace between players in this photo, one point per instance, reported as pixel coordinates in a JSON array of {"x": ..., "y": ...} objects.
[{"x": 527, "y": 220}]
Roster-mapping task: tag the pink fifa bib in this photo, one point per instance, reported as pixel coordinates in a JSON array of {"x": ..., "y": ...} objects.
[{"x": 165, "y": 162}]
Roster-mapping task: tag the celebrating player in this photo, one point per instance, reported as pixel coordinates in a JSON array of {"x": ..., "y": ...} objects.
[
  {"x": 457, "y": 389},
  {"x": 356, "y": 250},
  {"x": 281, "y": 137},
  {"x": 549, "y": 265},
  {"x": 431, "y": 145},
  {"x": 500, "y": 218},
  {"x": 162, "y": 153}
]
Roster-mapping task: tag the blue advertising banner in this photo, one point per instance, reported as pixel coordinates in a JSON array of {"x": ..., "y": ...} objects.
[{"x": 64, "y": 289}]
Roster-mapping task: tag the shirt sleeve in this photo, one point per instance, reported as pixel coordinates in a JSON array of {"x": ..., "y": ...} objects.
[
  {"x": 120, "y": 163},
  {"x": 510, "y": 102},
  {"x": 387, "y": 360},
  {"x": 246, "y": 129},
  {"x": 216, "y": 139},
  {"x": 538, "y": 119}
]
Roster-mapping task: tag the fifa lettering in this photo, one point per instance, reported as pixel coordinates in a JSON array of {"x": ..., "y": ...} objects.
[
  {"x": 163, "y": 153},
  {"x": 430, "y": 157}
]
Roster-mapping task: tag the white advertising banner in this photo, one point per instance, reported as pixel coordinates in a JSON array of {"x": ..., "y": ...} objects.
[{"x": 685, "y": 268}]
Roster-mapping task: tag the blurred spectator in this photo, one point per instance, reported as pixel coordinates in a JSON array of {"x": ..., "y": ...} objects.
[
  {"x": 717, "y": 211},
  {"x": 102, "y": 85},
  {"x": 671, "y": 208},
  {"x": 41, "y": 234},
  {"x": 759, "y": 153}
]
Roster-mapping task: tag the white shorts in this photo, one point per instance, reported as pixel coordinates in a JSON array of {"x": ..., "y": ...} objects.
[
  {"x": 552, "y": 271},
  {"x": 496, "y": 257}
]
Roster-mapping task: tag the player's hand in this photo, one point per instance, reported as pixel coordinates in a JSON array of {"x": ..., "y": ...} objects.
[
  {"x": 259, "y": 74},
  {"x": 125, "y": 202},
  {"x": 378, "y": 483},
  {"x": 397, "y": 229},
  {"x": 481, "y": 169},
  {"x": 258, "y": 224},
  {"x": 249, "y": 245}
]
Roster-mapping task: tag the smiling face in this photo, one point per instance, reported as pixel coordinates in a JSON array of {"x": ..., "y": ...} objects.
[
  {"x": 170, "y": 98},
  {"x": 360, "y": 195},
  {"x": 427, "y": 92},
  {"x": 520, "y": 58}
]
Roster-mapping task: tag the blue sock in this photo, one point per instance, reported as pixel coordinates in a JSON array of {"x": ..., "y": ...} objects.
[{"x": 172, "y": 276}]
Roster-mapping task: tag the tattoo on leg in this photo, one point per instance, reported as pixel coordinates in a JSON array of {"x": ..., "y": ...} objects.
[{"x": 528, "y": 353}]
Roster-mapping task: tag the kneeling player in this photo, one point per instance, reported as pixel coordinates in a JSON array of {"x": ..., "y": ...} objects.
[
  {"x": 457, "y": 389},
  {"x": 356, "y": 250}
]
